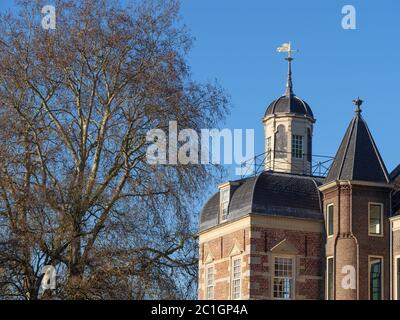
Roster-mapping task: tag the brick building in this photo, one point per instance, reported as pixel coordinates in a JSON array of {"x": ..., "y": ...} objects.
[{"x": 286, "y": 234}]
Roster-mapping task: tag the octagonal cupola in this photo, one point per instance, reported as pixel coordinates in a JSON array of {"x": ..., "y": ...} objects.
[{"x": 288, "y": 128}]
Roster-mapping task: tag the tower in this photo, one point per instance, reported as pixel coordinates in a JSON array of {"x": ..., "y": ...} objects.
[
  {"x": 357, "y": 207},
  {"x": 288, "y": 129}
]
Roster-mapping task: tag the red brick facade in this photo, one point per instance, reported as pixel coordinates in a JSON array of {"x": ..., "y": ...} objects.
[
  {"x": 351, "y": 244},
  {"x": 258, "y": 240},
  {"x": 220, "y": 251},
  {"x": 308, "y": 274},
  {"x": 257, "y": 246}
]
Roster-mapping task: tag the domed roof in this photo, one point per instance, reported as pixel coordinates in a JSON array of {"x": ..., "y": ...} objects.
[
  {"x": 269, "y": 193},
  {"x": 289, "y": 104}
]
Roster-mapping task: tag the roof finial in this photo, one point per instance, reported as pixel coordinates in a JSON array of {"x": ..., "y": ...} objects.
[
  {"x": 286, "y": 47},
  {"x": 358, "y": 102}
]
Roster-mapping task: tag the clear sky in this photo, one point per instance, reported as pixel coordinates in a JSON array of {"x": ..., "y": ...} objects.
[{"x": 236, "y": 43}]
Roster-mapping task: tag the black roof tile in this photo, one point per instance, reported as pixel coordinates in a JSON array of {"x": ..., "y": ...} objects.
[
  {"x": 270, "y": 193},
  {"x": 396, "y": 203},
  {"x": 289, "y": 104},
  {"x": 395, "y": 173}
]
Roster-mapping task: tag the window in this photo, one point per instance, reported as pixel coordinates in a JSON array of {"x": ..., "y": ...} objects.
[
  {"x": 283, "y": 278},
  {"x": 375, "y": 219},
  {"x": 280, "y": 144},
  {"x": 329, "y": 278},
  {"x": 268, "y": 149},
  {"x": 329, "y": 220},
  {"x": 224, "y": 203},
  {"x": 297, "y": 146},
  {"x": 375, "y": 278},
  {"x": 210, "y": 281},
  {"x": 398, "y": 278},
  {"x": 236, "y": 277}
]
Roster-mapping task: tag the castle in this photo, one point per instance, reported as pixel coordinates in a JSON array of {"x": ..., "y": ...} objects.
[{"x": 287, "y": 234}]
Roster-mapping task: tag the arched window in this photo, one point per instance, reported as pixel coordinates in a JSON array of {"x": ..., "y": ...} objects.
[
  {"x": 268, "y": 149},
  {"x": 281, "y": 142}
]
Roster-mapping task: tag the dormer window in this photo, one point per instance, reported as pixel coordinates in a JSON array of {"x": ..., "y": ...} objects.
[{"x": 224, "y": 203}]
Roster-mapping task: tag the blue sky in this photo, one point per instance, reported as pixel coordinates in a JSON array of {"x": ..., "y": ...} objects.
[{"x": 236, "y": 43}]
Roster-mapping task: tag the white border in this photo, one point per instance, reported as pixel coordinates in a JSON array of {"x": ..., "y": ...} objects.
[{"x": 294, "y": 271}]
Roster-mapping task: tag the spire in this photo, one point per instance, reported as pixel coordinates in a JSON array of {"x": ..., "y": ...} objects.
[
  {"x": 289, "y": 84},
  {"x": 358, "y": 157},
  {"x": 286, "y": 47}
]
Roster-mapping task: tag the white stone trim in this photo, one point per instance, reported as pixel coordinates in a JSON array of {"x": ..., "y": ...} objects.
[
  {"x": 294, "y": 274},
  {"x": 395, "y": 279},
  {"x": 327, "y": 279}
]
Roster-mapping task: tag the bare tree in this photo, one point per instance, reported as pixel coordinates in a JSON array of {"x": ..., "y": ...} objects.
[{"x": 76, "y": 191}]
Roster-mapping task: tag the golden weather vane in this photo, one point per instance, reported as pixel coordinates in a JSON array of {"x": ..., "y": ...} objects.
[{"x": 287, "y": 47}]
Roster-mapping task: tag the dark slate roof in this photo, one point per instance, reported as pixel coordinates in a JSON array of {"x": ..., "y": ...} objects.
[
  {"x": 289, "y": 104},
  {"x": 395, "y": 178},
  {"x": 396, "y": 203},
  {"x": 269, "y": 193},
  {"x": 395, "y": 173},
  {"x": 358, "y": 157}
]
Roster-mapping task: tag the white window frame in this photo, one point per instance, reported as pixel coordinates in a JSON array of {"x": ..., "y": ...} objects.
[
  {"x": 330, "y": 205},
  {"x": 293, "y": 277},
  {"x": 396, "y": 277},
  {"x": 297, "y": 147},
  {"x": 234, "y": 278},
  {"x": 370, "y": 258},
  {"x": 208, "y": 286},
  {"x": 327, "y": 277},
  {"x": 369, "y": 219},
  {"x": 223, "y": 203}
]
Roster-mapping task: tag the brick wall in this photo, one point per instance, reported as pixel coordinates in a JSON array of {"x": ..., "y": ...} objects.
[
  {"x": 255, "y": 244},
  {"x": 370, "y": 245},
  {"x": 351, "y": 244},
  {"x": 308, "y": 261},
  {"x": 221, "y": 250}
]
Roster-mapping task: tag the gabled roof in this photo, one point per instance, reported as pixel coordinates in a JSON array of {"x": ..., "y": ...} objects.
[{"x": 358, "y": 157}]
